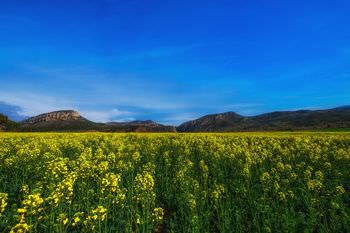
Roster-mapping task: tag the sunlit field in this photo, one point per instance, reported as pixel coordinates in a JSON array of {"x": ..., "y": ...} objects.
[{"x": 233, "y": 182}]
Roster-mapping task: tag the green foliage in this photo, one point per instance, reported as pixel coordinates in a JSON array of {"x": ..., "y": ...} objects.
[
  {"x": 174, "y": 183},
  {"x": 6, "y": 124}
]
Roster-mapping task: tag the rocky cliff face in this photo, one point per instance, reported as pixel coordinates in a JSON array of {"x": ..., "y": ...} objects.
[
  {"x": 64, "y": 115},
  {"x": 64, "y": 120}
]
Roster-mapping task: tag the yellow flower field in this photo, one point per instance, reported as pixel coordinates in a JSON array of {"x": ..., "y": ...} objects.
[{"x": 96, "y": 182}]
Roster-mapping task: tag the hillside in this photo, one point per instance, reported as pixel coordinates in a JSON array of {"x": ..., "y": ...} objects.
[
  {"x": 6, "y": 124},
  {"x": 336, "y": 118},
  {"x": 64, "y": 120},
  {"x": 139, "y": 126}
]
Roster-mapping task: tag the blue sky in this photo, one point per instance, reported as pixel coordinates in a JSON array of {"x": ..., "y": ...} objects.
[{"x": 172, "y": 61}]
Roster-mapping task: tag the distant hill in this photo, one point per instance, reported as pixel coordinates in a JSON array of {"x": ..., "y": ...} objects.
[
  {"x": 6, "y": 124},
  {"x": 140, "y": 126},
  {"x": 336, "y": 118},
  {"x": 70, "y": 120},
  {"x": 345, "y": 107},
  {"x": 64, "y": 120}
]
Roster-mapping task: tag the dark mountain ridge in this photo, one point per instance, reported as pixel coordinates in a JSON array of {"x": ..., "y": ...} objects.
[{"x": 275, "y": 121}]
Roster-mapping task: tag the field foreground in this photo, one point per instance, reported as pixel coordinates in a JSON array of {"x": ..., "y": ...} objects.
[{"x": 175, "y": 182}]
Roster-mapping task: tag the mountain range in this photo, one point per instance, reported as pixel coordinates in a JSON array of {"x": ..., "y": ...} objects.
[
  {"x": 336, "y": 118},
  {"x": 70, "y": 120}
]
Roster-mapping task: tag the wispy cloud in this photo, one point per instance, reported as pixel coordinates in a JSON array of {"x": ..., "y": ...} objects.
[
  {"x": 120, "y": 89},
  {"x": 108, "y": 115},
  {"x": 242, "y": 105},
  {"x": 160, "y": 52},
  {"x": 178, "y": 118},
  {"x": 11, "y": 111},
  {"x": 243, "y": 108},
  {"x": 33, "y": 104}
]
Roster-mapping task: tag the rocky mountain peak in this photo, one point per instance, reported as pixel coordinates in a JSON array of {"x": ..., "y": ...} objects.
[{"x": 63, "y": 115}]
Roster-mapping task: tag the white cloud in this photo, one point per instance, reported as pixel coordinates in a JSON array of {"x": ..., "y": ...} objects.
[
  {"x": 33, "y": 104},
  {"x": 180, "y": 118},
  {"x": 107, "y": 116},
  {"x": 126, "y": 119},
  {"x": 121, "y": 89},
  {"x": 130, "y": 89}
]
